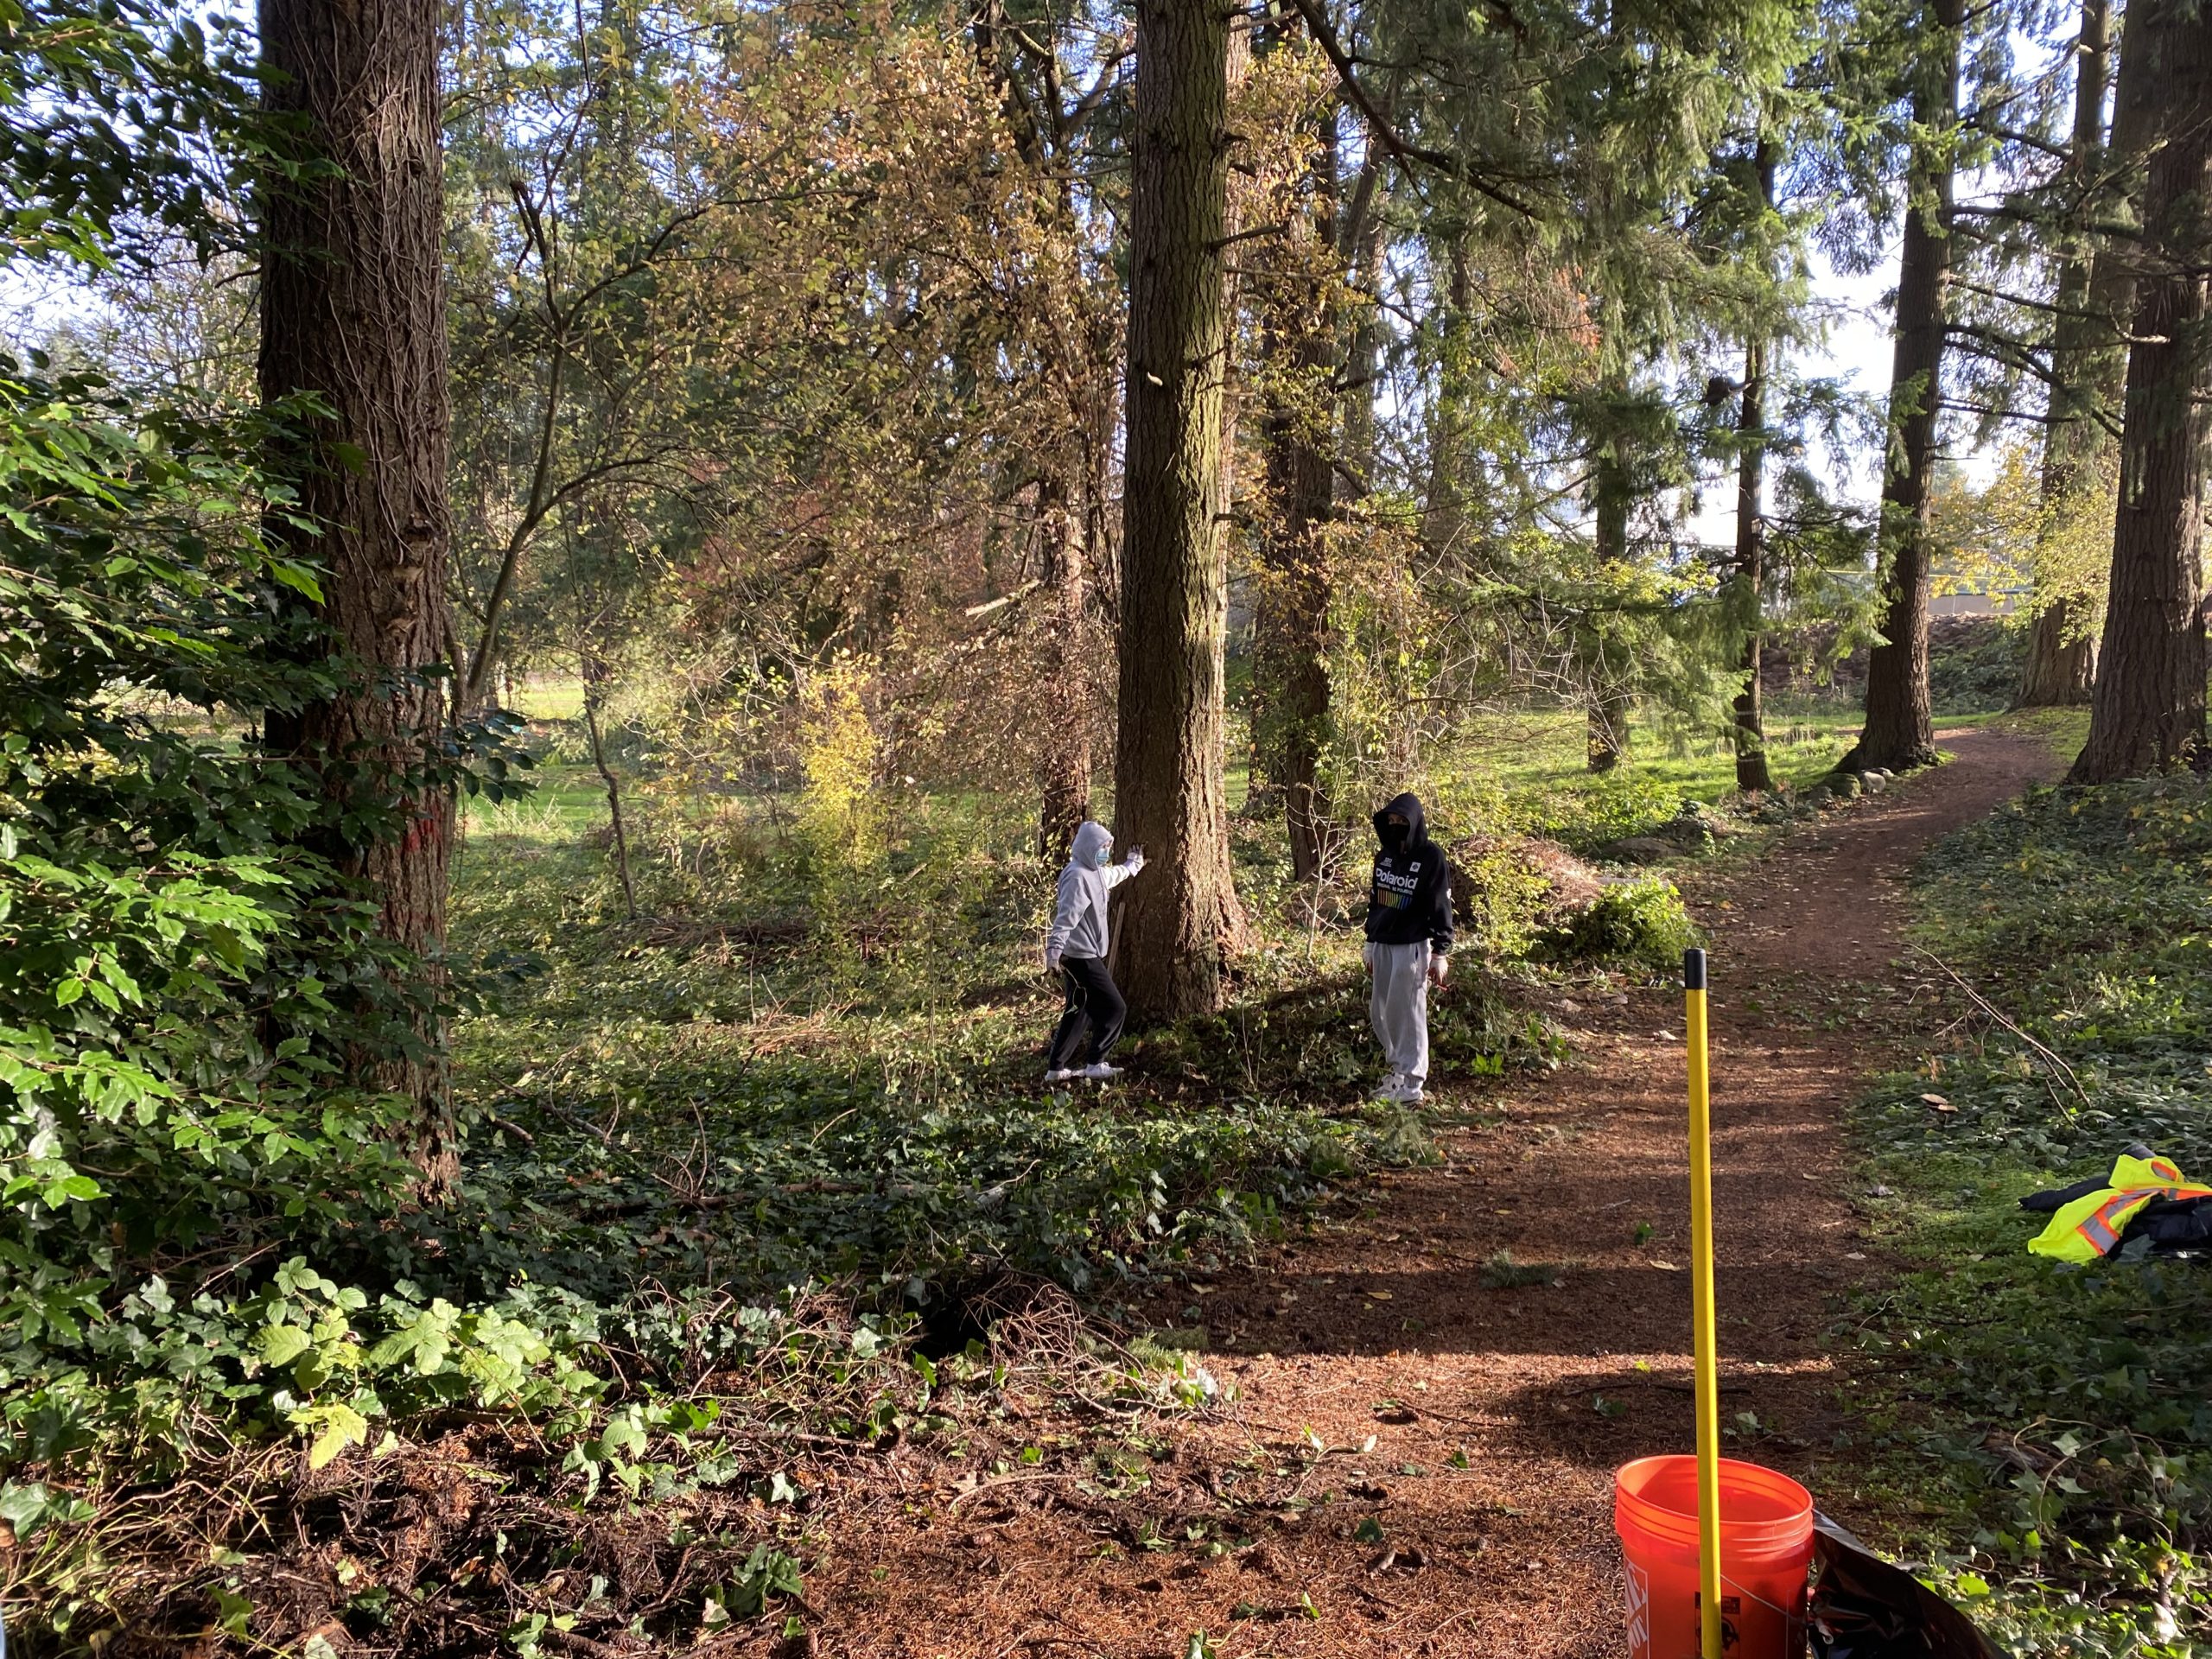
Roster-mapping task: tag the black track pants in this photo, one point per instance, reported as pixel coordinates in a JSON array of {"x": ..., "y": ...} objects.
[{"x": 1092, "y": 1002}]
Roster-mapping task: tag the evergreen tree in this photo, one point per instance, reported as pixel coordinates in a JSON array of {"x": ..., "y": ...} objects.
[
  {"x": 1757, "y": 244},
  {"x": 1179, "y": 924},
  {"x": 2086, "y": 369},
  {"x": 2148, "y": 709},
  {"x": 1900, "y": 726},
  {"x": 1302, "y": 328},
  {"x": 1752, "y": 775}
]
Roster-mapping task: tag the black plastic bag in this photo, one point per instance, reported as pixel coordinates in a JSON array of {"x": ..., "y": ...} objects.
[{"x": 1864, "y": 1607}]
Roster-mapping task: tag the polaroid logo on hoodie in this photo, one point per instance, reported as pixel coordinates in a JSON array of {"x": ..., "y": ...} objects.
[{"x": 1395, "y": 889}]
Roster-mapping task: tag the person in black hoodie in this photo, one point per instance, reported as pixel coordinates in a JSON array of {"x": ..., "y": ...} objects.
[{"x": 1408, "y": 942}]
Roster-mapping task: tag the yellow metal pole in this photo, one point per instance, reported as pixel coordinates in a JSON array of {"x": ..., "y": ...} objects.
[{"x": 1708, "y": 1367}]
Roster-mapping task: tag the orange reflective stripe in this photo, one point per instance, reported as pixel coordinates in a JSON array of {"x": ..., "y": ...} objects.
[{"x": 2100, "y": 1227}]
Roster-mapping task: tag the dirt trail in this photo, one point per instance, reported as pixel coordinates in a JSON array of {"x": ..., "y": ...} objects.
[{"x": 1490, "y": 1475}]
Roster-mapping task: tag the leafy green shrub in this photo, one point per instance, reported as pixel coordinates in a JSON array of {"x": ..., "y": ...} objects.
[
  {"x": 191, "y": 989},
  {"x": 189, "y": 995},
  {"x": 1639, "y": 922},
  {"x": 181, "y": 976},
  {"x": 1604, "y": 807},
  {"x": 1975, "y": 664},
  {"x": 1500, "y": 901}
]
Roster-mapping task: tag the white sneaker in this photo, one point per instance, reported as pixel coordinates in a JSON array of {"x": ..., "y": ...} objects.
[
  {"x": 1058, "y": 1074},
  {"x": 1388, "y": 1088},
  {"x": 1100, "y": 1072},
  {"x": 1403, "y": 1091}
]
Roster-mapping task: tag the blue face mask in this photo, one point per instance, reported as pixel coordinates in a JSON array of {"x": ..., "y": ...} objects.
[{"x": 1105, "y": 856}]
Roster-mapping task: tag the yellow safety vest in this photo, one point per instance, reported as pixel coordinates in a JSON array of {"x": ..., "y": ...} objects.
[{"x": 2086, "y": 1229}]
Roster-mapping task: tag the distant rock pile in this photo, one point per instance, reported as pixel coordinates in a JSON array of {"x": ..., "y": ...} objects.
[{"x": 1848, "y": 786}]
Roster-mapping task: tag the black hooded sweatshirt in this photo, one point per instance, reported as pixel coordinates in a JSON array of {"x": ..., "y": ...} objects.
[{"x": 1410, "y": 897}]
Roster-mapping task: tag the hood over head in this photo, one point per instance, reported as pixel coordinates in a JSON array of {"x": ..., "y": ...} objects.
[
  {"x": 1090, "y": 840},
  {"x": 1407, "y": 806}
]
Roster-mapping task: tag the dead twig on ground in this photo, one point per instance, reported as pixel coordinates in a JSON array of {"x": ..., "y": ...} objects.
[{"x": 2041, "y": 1050}]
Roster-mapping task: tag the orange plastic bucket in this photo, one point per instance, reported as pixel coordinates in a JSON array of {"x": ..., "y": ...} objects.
[{"x": 1766, "y": 1547}]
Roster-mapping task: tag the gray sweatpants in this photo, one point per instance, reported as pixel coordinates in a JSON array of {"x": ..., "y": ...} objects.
[{"x": 1397, "y": 1007}]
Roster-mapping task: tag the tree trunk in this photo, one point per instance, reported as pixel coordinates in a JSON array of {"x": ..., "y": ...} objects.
[
  {"x": 1182, "y": 919},
  {"x": 1900, "y": 727},
  {"x": 1293, "y": 630},
  {"x": 1444, "y": 517},
  {"x": 1360, "y": 245},
  {"x": 352, "y": 309},
  {"x": 1603, "y": 672},
  {"x": 1238, "y": 67},
  {"x": 1752, "y": 776},
  {"x": 1066, "y": 780},
  {"x": 2086, "y": 374},
  {"x": 594, "y": 674},
  {"x": 1606, "y": 738},
  {"x": 1753, "y": 773},
  {"x": 2062, "y": 662},
  {"x": 1292, "y": 635},
  {"x": 2148, "y": 709}
]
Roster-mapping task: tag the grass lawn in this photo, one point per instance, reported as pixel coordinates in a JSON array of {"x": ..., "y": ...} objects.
[
  {"x": 2065, "y": 730},
  {"x": 550, "y": 698},
  {"x": 1533, "y": 766}
]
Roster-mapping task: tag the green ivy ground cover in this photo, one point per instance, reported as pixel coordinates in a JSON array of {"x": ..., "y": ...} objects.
[{"x": 2057, "y": 1418}]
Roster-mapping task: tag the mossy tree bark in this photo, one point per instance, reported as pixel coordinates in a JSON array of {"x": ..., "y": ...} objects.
[{"x": 2061, "y": 658}]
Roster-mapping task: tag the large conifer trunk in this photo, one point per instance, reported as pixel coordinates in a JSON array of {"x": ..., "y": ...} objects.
[
  {"x": 1179, "y": 920},
  {"x": 2087, "y": 371},
  {"x": 2148, "y": 709},
  {"x": 2062, "y": 659},
  {"x": 1293, "y": 631},
  {"x": 1065, "y": 784},
  {"x": 1444, "y": 515},
  {"x": 1291, "y": 636},
  {"x": 352, "y": 309},
  {"x": 1602, "y": 663},
  {"x": 1900, "y": 726}
]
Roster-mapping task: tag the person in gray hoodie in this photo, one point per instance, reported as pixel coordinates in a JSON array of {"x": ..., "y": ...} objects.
[{"x": 1075, "y": 949}]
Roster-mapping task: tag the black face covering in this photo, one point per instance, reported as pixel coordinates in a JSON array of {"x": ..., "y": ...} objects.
[{"x": 1394, "y": 835}]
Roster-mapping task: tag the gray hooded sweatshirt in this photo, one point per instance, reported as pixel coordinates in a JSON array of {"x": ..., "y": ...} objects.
[{"x": 1078, "y": 927}]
